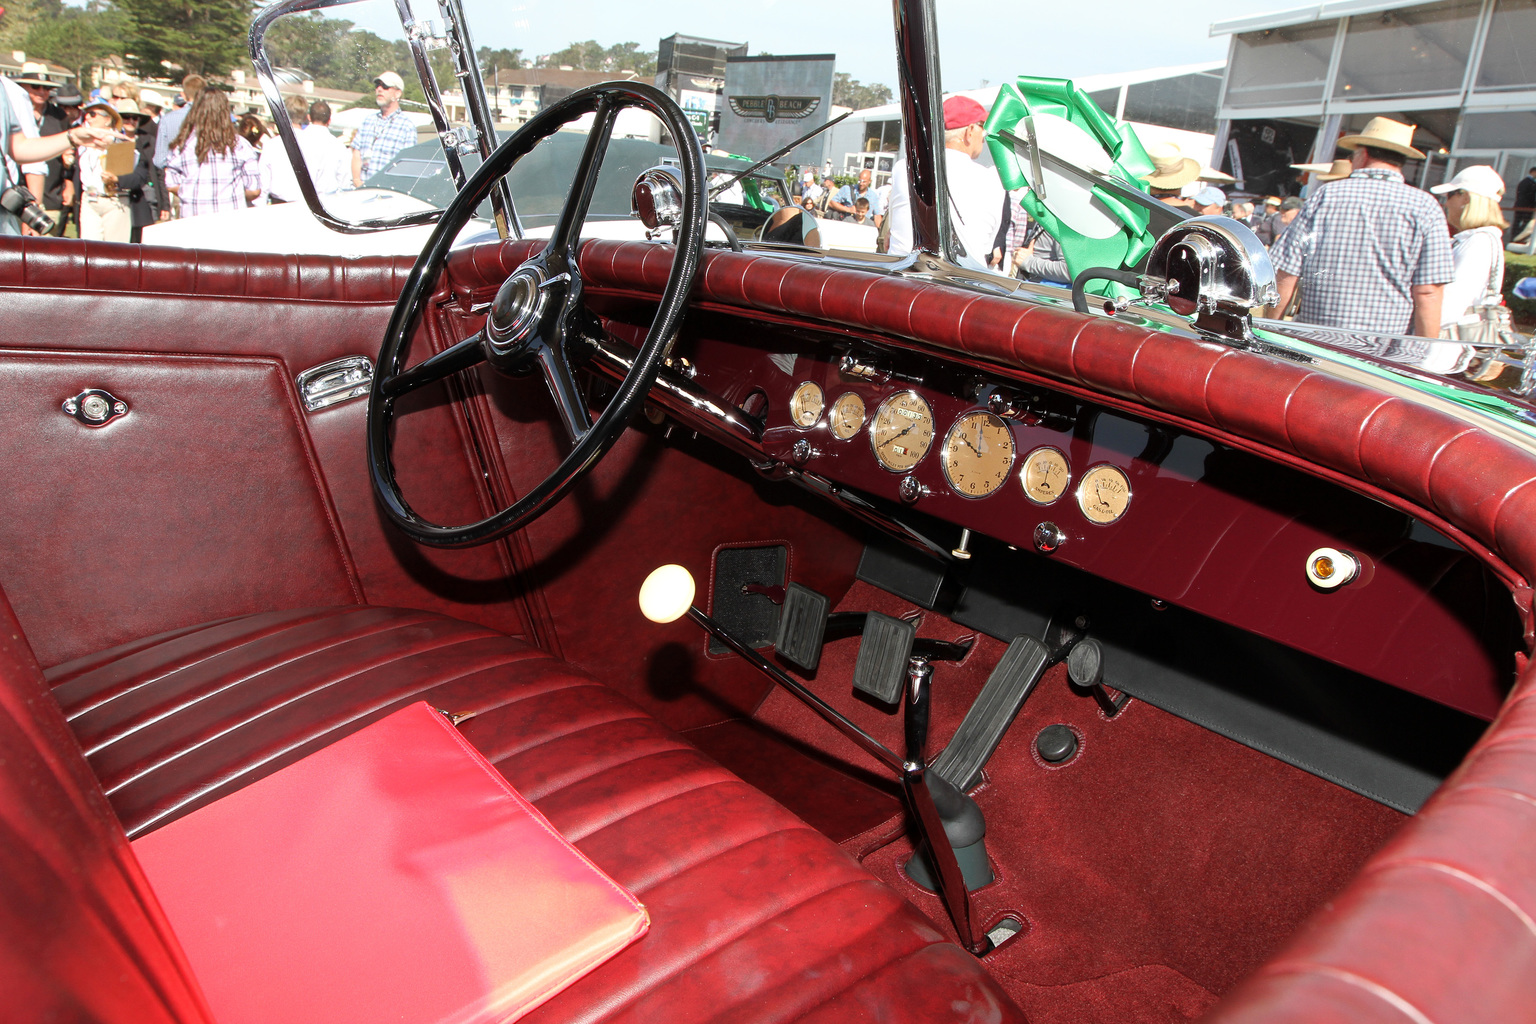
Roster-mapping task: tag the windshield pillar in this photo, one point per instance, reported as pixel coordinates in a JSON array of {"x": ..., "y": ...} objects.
[{"x": 922, "y": 104}]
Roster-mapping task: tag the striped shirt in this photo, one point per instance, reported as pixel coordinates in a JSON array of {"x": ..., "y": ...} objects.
[
  {"x": 1359, "y": 245},
  {"x": 216, "y": 184}
]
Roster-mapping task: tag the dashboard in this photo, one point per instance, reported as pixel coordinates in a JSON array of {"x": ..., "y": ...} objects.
[{"x": 958, "y": 451}]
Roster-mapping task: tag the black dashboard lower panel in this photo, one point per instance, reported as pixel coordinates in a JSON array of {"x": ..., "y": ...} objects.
[{"x": 1372, "y": 738}]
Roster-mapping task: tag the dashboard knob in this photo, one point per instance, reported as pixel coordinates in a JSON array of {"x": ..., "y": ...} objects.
[
  {"x": 1049, "y": 537},
  {"x": 1330, "y": 568},
  {"x": 667, "y": 593}
]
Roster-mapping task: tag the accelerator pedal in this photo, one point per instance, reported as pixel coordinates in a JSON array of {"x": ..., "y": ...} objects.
[
  {"x": 1010, "y": 683},
  {"x": 881, "y": 670},
  {"x": 802, "y": 626}
]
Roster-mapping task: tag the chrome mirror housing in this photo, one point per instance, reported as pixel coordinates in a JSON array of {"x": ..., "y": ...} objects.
[
  {"x": 657, "y": 199},
  {"x": 1215, "y": 270}
]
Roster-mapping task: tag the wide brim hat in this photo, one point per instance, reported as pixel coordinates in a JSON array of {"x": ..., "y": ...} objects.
[
  {"x": 1216, "y": 177},
  {"x": 117, "y": 119},
  {"x": 1171, "y": 169},
  {"x": 33, "y": 73},
  {"x": 150, "y": 98},
  {"x": 1384, "y": 133},
  {"x": 68, "y": 96},
  {"x": 1340, "y": 168},
  {"x": 128, "y": 108}
]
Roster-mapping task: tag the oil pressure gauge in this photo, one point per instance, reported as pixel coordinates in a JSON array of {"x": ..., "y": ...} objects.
[
  {"x": 847, "y": 416},
  {"x": 902, "y": 431},
  {"x": 1104, "y": 494},
  {"x": 805, "y": 404}
]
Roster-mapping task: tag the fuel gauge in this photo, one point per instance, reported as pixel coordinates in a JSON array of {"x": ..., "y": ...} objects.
[
  {"x": 806, "y": 404},
  {"x": 847, "y": 416}
]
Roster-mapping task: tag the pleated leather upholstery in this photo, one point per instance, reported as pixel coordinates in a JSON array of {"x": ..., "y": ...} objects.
[{"x": 755, "y": 916}]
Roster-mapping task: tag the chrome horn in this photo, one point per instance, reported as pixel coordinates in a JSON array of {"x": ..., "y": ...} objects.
[
  {"x": 657, "y": 198},
  {"x": 1215, "y": 270}
]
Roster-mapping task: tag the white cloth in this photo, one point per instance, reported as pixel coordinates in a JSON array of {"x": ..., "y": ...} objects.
[
  {"x": 1479, "y": 260},
  {"x": 975, "y": 210}
]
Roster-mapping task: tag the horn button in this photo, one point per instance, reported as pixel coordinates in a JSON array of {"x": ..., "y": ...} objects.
[{"x": 516, "y": 314}]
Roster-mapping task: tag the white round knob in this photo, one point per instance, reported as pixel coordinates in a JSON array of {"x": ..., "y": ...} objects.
[{"x": 666, "y": 593}]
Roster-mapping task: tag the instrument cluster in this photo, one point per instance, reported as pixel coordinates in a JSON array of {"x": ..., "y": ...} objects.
[{"x": 978, "y": 453}]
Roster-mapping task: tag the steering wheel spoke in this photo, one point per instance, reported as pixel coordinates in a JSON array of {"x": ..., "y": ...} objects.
[
  {"x": 534, "y": 316},
  {"x": 569, "y": 402},
  {"x": 574, "y": 214},
  {"x": 467, "y": 353}
]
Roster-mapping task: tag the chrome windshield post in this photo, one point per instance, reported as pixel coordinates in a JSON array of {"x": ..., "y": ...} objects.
[{"x": 922, "y": 106}]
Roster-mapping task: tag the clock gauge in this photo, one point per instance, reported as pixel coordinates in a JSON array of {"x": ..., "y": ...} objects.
[{"x": 977, "y": 454}]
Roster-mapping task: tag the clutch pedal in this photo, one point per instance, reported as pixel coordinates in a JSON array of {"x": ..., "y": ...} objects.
[
  {"x": 1010, "y": 684},
  {"x": 802, "y": 626}
]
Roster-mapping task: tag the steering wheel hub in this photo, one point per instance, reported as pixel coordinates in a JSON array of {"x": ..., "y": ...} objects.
[{"x": 517, "y": 310}]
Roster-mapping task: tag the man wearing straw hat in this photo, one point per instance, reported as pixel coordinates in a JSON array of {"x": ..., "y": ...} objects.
[
  {"x": 1370, "y": 252},
  {"x": 1171, "y": 171}
]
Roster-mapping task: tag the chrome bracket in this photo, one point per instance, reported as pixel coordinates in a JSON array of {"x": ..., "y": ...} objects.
[
  {"x": 465, "y": 138},
  {"x": 337, "y": 381},
  {"x": 95, "y": 407}
]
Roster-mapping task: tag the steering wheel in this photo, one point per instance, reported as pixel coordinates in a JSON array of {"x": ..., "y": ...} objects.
[{"x": 535, "y": 319}]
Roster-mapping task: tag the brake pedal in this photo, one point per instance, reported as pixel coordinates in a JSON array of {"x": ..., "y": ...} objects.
[
  {"x": 1011, "y": 682},
  {"x": 881, "y": 670},
  {"x": 802, "y": 626}
]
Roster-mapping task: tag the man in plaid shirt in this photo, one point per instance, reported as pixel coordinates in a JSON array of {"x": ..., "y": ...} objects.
[
  {"x": 1371, "y": 252},
  {"x": 386, "y": 133}
]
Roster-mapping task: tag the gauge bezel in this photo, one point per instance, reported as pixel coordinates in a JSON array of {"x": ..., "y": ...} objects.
[
  {"x": 875, "y": 420},
  {"x": 832, "y": 420},
  {"x": 1024, "y": 469},
  {"x": 944, "y": 453},
  {"x": 794, "y": 398},
  {"x": 1088, "y": 475}
]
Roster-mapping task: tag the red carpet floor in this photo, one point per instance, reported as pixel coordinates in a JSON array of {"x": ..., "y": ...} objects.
[{"x": 1152, "y": 871}]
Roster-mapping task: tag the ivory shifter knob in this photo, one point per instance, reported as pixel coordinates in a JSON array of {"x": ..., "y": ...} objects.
[{"x": 667, "y": 593}]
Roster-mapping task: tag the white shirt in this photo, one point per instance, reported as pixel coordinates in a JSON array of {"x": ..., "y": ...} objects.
[
  {"x": 21, "y": 114},
  {"x": 975, "y": 212},
  {"x": 1477, "y": 253},
  {"x": 330, "y": 166},
  {"x": 328, "y": 160}
]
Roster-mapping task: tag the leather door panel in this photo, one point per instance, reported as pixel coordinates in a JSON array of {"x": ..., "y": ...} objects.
[{"x": 205, "y": 500}]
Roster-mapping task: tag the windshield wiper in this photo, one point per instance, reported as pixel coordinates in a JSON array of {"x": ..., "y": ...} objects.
[{"x": 771, "y": 157}]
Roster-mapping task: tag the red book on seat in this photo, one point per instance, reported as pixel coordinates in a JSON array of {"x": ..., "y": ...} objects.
[{"x": 392, "y": 876}]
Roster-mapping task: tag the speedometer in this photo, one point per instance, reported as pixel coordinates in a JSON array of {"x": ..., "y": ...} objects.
[{"x": 902, "y": 431}]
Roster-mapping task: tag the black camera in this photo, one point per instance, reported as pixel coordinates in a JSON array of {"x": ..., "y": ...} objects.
[{"x": 18, "y": 199}]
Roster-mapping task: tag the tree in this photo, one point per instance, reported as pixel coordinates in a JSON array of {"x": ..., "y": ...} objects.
[
  {"x": 848, "y": 91},
  {"x": 77, "y": 37},
  {"x": 499, "y": 59},
  {"x": 593, "y": 56},
  {"x": 202, "y": 36},
  {"x": 17, "y": 22}
]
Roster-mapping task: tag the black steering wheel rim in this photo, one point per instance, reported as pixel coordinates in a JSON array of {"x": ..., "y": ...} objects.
[{"x": 559, "y": 257}]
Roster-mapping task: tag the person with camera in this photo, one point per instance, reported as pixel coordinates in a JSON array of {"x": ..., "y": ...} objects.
[{"x": 17, "y": 203}]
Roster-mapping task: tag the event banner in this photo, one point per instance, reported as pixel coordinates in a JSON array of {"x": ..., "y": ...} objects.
[{"x": 771, "y": 101}]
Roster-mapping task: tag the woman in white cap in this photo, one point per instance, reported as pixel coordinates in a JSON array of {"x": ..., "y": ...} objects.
[{"x": 1477, "y": 242}]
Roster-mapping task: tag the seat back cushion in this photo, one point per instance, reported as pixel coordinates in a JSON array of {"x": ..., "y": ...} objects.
[{"x": 81, "y": 936}]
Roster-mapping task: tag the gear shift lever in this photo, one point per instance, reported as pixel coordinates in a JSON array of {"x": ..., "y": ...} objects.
[{"x": 667, "y": 595}]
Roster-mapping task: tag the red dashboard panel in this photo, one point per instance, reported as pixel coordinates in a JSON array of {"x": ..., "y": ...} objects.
[{"x": 1206, "y": 527}]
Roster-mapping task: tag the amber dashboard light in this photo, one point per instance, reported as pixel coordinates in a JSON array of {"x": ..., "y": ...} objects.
[{"x": 1330, "y": 568}]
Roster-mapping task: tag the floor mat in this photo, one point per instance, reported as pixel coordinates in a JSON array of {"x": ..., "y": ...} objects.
[
  {"x": 1159, "y": 845},
  {"x": 832, "y": 800},
  {"x": 1141, "y": 994}
]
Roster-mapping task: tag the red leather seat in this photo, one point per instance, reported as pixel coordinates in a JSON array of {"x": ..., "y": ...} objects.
[{"x": 754, "y": 914}]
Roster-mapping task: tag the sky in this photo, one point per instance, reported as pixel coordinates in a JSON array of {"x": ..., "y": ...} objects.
[{"x": 982, "y": 41}]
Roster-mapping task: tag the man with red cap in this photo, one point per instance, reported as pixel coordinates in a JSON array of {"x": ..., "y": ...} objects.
[{"x": 976, "y": 196}]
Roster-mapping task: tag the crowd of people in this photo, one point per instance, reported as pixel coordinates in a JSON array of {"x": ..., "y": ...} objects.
[{"x": 106, "y": 169}]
